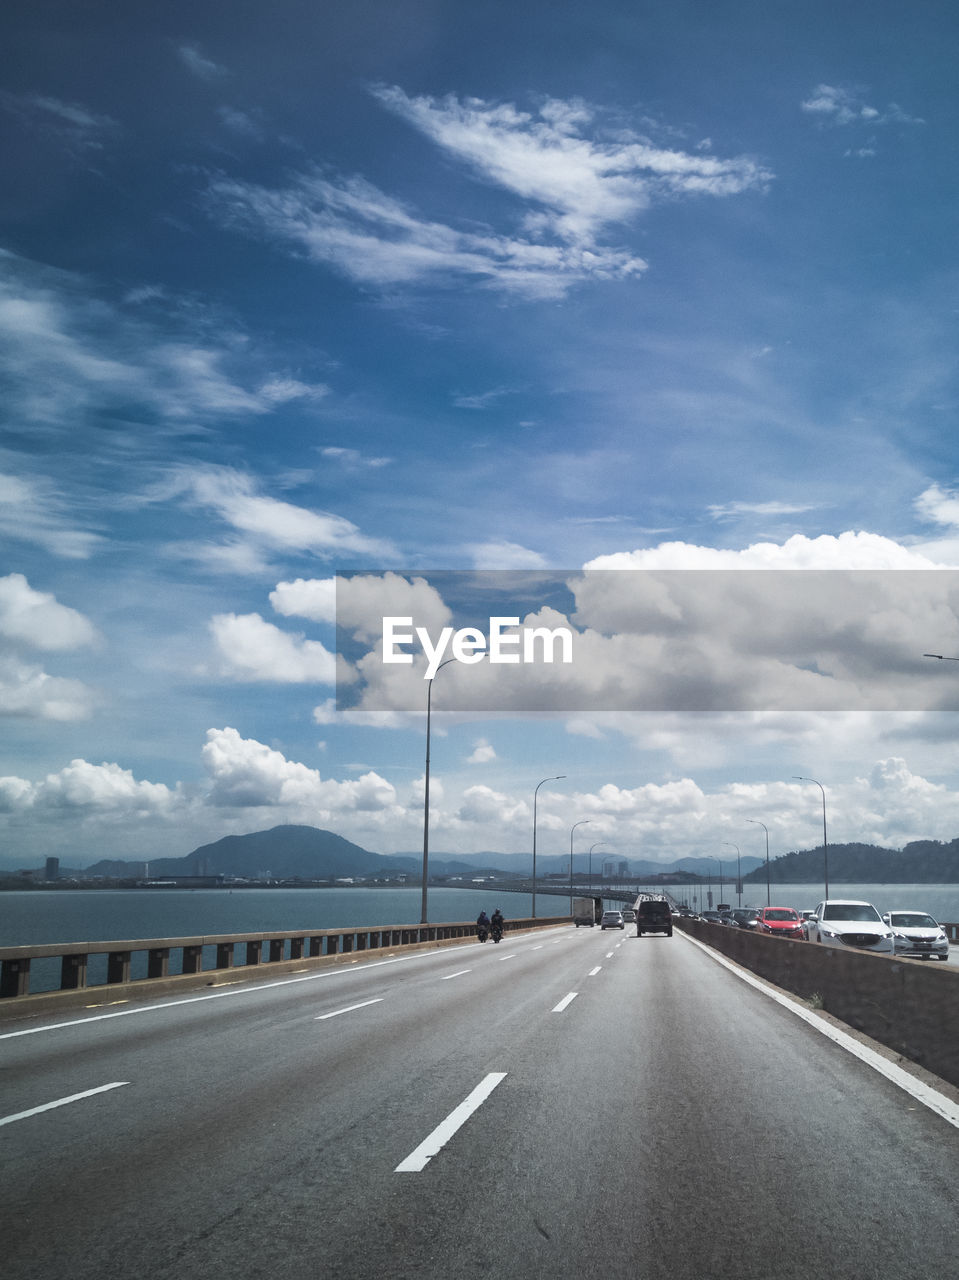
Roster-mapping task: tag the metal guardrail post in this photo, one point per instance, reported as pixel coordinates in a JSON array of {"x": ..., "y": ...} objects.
[
  {"x": 158, "y": 961},
  {"x": 192, "y": 959}
]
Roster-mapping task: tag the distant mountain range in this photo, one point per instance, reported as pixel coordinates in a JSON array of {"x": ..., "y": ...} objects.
[{"x": 309, "y": 853}]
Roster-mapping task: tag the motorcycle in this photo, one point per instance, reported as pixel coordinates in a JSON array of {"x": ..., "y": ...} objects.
[
  {"x": 481, "y": 933},
  {"x": 496, "y": 932}
]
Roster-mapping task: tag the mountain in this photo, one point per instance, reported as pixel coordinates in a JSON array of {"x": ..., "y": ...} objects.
[
  {"x": 279, "y": 854},
  {"x": 921, "y": 862}
]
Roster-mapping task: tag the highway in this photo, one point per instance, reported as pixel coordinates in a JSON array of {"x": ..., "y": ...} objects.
[{"x": 568, "y": 1103}]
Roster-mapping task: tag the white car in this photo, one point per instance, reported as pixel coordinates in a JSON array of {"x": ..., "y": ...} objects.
[
  {"x": 846, "y": 922},
  {"x": 917, "y": 934},
  {"x": 612, "y": 920}
]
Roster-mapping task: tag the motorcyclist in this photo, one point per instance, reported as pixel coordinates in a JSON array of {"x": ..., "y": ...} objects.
[
  {"x": 482, "y": 924},
  {"x": 496, "y": 921}
]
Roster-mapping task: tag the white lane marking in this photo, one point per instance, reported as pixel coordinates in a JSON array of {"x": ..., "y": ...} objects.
[
  {"x": 593, "y": 972},
  {"x": 459, "y": 973},
  {"x": 321, "y": 1017},
  {"x": 213, "y": 995},
  {"x": 62, "y": 1102},
  {"x": 537, "y": 948},
  {"x": 565, "y": 1002},
  {"x": 609, "y": 955},
  {"x": 929, "y": 1097},
  {"x": 510, "y": 956},
  {"x": 417, "y": 1160}
]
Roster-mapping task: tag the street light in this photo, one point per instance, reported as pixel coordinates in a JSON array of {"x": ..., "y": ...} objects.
[
  {"x": 590, "y": 877},
  {"x": 582, "y": 823},
  {"x": 825, "y": 847},
  {"x": 766, "y": 829},
  {"x": 720, "y": 861},
  {"x": 555, "y": 778},
  {"x": 426, "y": 803},
  {"x": 739, "y": 871}
]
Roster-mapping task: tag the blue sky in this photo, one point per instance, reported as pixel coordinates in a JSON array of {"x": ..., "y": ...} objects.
[{"x": 290, "y": 289}]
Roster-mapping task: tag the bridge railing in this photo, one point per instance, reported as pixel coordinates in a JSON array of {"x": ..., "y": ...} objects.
[{"x": 100, "y": 964}]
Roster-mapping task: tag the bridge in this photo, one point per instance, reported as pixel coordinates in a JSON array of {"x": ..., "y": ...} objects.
[{"x": 579, "y": 1103}]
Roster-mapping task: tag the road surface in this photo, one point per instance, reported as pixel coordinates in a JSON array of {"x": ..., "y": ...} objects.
[{"x": 568, "y": 1103}]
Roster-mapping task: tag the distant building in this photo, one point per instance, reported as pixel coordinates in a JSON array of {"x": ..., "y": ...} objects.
[{"x": 52, "y": 869}]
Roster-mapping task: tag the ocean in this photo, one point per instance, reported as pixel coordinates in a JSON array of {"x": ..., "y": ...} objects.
[{"x": 106, "y": 915}]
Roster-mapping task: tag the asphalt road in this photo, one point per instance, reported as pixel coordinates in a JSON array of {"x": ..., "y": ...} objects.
[{"x": 568, "y": 1103}]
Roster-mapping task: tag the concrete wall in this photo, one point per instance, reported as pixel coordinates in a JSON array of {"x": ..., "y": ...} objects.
[{"x": 911, "y": 1006}]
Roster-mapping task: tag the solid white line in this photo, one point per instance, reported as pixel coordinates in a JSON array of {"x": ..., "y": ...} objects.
[
  {"x": 459, "y": 973},
  {"x": 593, "y": 972},
  {"x": 609, "y": 955},
  {"x": 565, "y": 1002},
  {"x": 510, "y": 956},
  {"x": 929, "y": 1097},
  {"x": 417, "y": 1160},
  {"x": 62, "y": 1102},
  {"x": 321, "y": 1017}
]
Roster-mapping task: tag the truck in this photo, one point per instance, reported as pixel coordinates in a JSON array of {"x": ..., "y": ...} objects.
[{"x": 587, "y": 911}]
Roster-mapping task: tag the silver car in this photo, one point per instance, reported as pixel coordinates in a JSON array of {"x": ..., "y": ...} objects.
[
  {"x": 916, "y": 934},
  {"x": 612, "y": 920}
]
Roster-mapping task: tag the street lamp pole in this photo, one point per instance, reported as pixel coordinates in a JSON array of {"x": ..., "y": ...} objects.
[
  {"x": 825, "y": 847},
  {"x": 766, "y": 829},
  {"x": 720, "y": 861},
  {"x": 582, "y": 823},
  {"x": 426, "y": 800},
  {"x": 590, "y": 874},
  {"x": 555, "y": 778},
  {"x": 739, "y": 871}
]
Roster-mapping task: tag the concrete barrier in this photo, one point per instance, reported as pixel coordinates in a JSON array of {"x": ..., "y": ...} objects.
[
  {"x": 263, "y": 954},
  {"x": 911, "y": 1006}
]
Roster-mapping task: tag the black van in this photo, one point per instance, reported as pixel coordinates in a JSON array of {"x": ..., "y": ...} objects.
[{"x": 654, "y": 916}]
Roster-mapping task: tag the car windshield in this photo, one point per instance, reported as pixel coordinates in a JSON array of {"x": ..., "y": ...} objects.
[
  {"x": 850, "y": 911},
  {"x": 781, "y": 913},
  {"x": 912, "y": 920}
]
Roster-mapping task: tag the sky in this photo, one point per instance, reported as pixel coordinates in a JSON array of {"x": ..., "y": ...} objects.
[{"x": 296, "y": 295}]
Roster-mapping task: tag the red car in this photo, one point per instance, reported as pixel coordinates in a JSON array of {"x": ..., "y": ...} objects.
[{"x": 784, "y": 922}]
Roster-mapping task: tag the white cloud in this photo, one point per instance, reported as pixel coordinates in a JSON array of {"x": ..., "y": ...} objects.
[
  {"x": 252, "y": 649},
  {"x": 359, "y": 231},
  {"x": 31, "y": 510},
  {"x": 28, "y": 691},
  {"x": 313, "y": 598},
  {"x": 36, "y": 619},
  {"x": 202, "y": 67},
  {"x": 245, "y": 773},
  {"x": 267, "y": 523},
  {"x": 504, "y": 555},
  {"x": 89, "y": 788},
  {"x": 581, "y": 182},
  {"x": 483, "y": 753},
  {"x": 840, "y": 105}
]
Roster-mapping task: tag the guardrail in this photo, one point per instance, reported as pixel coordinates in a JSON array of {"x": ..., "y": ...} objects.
[{"x": 143, "y": 959}]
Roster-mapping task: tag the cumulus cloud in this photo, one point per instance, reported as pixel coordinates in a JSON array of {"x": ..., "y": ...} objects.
[
  {"x": 245, "y": 773},
  {"x": 483, "y": 753},
  {"x": 37, "y": 620},
  {"x": 202, "y": 67},
  {"x": 313, "y": 598},
  {"x": 28, "y": 691},
  {"x": 85, "y": 788},
  {"x": 252, "y": 649},
  {"x": 679, "y": 627}
]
